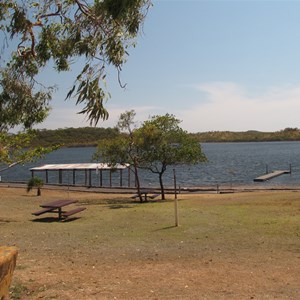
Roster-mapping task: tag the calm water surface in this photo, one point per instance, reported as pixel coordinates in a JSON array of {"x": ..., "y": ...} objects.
[{"x": 228, "y": 163}]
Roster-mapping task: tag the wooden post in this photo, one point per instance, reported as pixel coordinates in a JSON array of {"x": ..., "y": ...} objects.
[
  {"x": 121, "y": 177},
  {"x": 74, "y": 177},
  {"x": 129, "y": 170},
  {"x": 60, "y": 176},
  {"x": 85, "y": 177},
  {"x": 101, "y": 178},
  {"x": 175, "y": 201},
  {"x": 176, "y": 212},
  {"x": 175, "y": 186},
  {"x": 90, "y": 178}
]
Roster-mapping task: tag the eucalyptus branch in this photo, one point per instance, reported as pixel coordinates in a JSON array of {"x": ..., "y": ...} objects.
[
  {"x": 9, "y": 166},
  {"x": 21, "y": 49},
  {"x": 119, "y": 78},
  {"x": 83, "y": 8},
  {"x": 97, "y": 31},
  {"x": 57, "y": 13}
]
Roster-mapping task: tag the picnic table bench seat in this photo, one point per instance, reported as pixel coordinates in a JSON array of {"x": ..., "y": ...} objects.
[
  {"x": 42, "y": 211},
  {"x": 154, "y": 196},
  {"x": 72, "y": 211}
]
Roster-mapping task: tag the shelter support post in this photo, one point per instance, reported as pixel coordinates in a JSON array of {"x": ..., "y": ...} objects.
[
  {"x": 101, "y": 178},
  {"x": 60, "y": 176},
  {"x": 90, "y": 178},
  {"x": 128, "y": 176}
]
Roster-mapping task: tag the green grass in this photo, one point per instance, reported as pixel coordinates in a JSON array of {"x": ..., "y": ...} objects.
[
  {"x": 204, "y": 225},
  {"x": 17, "y": 290},
  {"x": 251, "y": 230}
]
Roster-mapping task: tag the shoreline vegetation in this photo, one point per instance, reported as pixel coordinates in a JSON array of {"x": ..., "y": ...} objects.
[{"x": 90, "y": 136}]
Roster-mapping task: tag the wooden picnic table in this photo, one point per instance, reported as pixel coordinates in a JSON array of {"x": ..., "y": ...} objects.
[
  {"x": 145, "y": 193},
  {"x": 57, "y": 207}
]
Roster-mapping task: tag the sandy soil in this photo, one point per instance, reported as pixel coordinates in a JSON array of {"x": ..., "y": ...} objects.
[{"x": 118, "y": 249}]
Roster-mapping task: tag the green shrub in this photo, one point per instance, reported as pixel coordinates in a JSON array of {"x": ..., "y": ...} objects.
[{"x": 35, "y": 182}]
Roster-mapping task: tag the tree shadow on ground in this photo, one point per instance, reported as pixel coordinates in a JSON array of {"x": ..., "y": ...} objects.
[
  {"x": 54, "y": 219},
  {"x": 7, "y": 220},
  {"x": 115, "y": 201},
  {"x": 119, "y": 206},
  {"x": 166, "y": 228}
]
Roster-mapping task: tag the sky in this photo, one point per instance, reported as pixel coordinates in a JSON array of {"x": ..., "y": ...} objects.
[{"x": 216, "y": 65}]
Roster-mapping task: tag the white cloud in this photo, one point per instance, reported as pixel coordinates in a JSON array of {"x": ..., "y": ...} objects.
[
  {"x": 230, "y": 107},
  {"x": 227, "y": 106}
]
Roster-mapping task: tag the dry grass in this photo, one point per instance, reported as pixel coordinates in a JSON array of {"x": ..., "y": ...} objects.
[{"x": 233, "y": 246}]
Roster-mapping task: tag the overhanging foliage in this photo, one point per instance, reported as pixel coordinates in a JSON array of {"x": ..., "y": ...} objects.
[{"x": 62, "y": 31}]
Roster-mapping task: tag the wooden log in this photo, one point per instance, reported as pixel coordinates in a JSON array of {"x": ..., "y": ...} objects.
[{"x": 8, "y": 260}]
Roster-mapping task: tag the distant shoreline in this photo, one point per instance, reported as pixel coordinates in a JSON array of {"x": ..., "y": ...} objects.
[
  {"x": 201, "y": 142},
  {"x": 90, "y": 136},
  {"x": 220, "y": 188}
]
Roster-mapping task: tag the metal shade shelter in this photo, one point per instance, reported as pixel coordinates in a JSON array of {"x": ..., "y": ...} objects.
[{"x": 87, "y": 168}]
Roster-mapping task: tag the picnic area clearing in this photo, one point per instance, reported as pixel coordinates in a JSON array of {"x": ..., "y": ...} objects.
[{"x": 228, "y": 246}]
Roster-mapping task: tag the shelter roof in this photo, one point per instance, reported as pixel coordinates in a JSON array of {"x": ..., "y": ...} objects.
[{"x": 83, "y": 166}]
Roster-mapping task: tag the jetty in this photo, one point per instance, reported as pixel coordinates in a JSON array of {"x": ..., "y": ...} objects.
[{"x": 271, "y": 175}]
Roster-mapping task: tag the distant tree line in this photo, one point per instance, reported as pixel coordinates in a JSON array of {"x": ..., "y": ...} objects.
[
  {"x": 73, "y": 137},
  {"x": 287, "y": 134},
  {"x": 90, "y": 136}
]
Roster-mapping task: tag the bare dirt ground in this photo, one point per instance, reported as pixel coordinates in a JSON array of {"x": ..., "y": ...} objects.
[{"x": 230, "y": 246}]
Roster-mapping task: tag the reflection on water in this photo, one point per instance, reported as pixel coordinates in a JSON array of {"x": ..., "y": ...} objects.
[{"x": 228, "y": 163}]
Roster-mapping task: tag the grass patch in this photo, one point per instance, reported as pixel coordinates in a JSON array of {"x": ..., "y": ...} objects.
[{"x": 18, "y": 291}]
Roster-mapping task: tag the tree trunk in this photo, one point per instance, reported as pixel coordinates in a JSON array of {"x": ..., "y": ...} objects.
[
  {"x": 38, "y": 192},
  {"x": 161, "y": 186},
  {"x": 137, "y": 180}
]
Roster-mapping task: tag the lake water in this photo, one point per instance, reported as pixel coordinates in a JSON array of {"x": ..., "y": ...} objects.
[{"x": 228, "y": 163}]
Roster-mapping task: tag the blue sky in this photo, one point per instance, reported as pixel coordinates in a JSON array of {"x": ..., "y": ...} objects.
[{"x": 216, "y": 65}]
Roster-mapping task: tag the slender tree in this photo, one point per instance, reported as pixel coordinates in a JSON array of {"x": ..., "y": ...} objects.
[
  {"x": 164, "y": 143},
  {"x": 160, "y": 142},
  {"x": 124, "y": 148}
]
